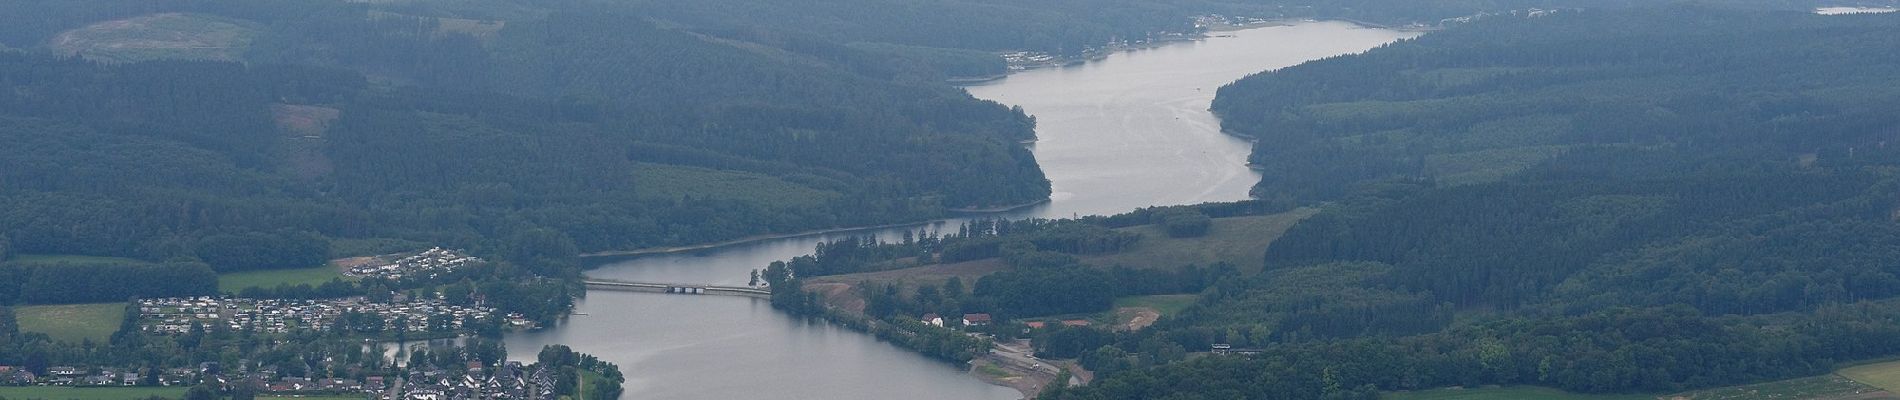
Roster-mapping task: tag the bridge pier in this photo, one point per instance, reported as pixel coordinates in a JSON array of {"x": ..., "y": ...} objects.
[{"x": 671, "y": 288}]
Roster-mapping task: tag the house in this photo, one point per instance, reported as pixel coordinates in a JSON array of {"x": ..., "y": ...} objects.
[
  {"x": 976, "y": 319},
  {"x": 1035, "y": 324},
  {"x": 933, "y": 320},
  {"x": 129, "y": 379},
  {"x": 21, "y": 377},
  {"x": 63, "y": 371},
  {"x": 1075, "y": 322},
  {"x": 474, "y": 367}
]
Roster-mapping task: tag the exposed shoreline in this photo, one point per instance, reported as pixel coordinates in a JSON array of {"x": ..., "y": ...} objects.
[
  {"x": 748, "y": 239},
  {"x": 998, "y": 209}
]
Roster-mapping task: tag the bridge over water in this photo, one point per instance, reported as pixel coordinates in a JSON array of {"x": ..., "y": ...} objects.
[{"x": 677, "y": 288}]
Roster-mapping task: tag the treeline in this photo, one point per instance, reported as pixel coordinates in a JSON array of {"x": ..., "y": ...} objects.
[
  {"x": 569, "y": 364},
  {"x": 1661, "y": 350},
  {"x": 1642, "y": 211},
  {"x": 61, "y": 283}
]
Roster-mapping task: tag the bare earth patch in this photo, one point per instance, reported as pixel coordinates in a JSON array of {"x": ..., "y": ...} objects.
[
  {"x": 158, "y": 36},
  {"x": 302, "y": 120},
  {"x": 304, "y": 148},
  {"x": 1135, "y": 318}
]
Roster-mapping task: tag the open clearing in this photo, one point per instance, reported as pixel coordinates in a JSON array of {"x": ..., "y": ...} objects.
[
  {"x": 72, "y": 322},
  {"x": 158, "y": 36},
  {"x": 1165, "y": 304},
  {"x": 1134, "y": 313},
  {"x": 1881, "y": 375},
  {"x": 1241, "y": 241},
  {"x": 104, "y": 393},
  {"x": 270, "y": 278}
]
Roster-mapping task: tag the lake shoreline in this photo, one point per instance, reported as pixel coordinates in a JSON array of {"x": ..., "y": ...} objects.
[{"x": 617, "y": 254}]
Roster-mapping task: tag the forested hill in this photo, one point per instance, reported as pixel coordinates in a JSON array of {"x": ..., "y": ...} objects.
[
  {"x": 559, "y": 130},
  {"x": 1640, "y": 201}
]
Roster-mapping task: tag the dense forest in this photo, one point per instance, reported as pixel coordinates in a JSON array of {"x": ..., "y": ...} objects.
[
  {"x": 1600, "y": 201},
  {"x": 566, "y": 128}
]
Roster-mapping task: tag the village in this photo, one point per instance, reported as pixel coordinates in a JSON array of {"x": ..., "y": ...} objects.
[
  {"x": 180, "y": 315},
  {"x": 428, "y": 264},
  {"x": 508, "y": 380}
]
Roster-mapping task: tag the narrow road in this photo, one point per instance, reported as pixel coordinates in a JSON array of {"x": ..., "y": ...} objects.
[{"x": 1021, "y": 360}]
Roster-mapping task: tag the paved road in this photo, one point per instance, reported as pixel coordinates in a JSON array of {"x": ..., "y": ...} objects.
[{"x": 1023, "y": 361}]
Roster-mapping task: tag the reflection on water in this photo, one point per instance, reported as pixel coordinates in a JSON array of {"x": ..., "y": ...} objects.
[{"x": 1129, "y": 131}]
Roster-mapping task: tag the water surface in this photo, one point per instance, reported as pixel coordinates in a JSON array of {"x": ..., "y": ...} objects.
[{"x": 1129, "y": 131}]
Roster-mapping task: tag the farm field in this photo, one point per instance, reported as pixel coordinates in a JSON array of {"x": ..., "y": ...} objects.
[
  {"x": 1235, "y": 240},
  {"x": 71, "y": 322}
]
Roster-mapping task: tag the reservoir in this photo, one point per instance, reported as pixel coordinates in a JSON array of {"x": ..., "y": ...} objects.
[{"x": 1128, "y": 131}]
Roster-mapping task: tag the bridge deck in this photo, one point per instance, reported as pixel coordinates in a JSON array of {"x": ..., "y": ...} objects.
[{"x": 681, "y": 288}]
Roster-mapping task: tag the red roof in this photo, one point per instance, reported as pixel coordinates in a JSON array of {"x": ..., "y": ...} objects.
[
  {"x": 930, "y": 316},
  {"x": 1075, "y": 322},
  {"x": 976, "y": 317},
  {"x": 1034, "y": 324}
]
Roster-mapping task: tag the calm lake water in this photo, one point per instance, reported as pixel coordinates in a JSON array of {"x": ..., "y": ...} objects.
[{"x": 1125, "y": 132}]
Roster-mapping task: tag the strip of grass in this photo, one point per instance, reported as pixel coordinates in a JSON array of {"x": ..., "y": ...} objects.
[
  {"x": 72, "y": 322},
  {"x": 1814, "y": 387},
  {"x": 1167, "y": 304},
  {"x": 72, "y": 259},
  {"x": 270, "y": 278},
  {"x": 1881, "y": 375},
  {"x": 101, "y": 393},
  {"x": 1507, "y": 393}
]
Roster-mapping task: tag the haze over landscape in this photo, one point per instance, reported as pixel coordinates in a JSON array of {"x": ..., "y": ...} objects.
[{"x": 875, "y": 199}]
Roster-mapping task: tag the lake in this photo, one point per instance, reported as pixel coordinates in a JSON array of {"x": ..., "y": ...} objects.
[{"x": 1131, "y": 130}]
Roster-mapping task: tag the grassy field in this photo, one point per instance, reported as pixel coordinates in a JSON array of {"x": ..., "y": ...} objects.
[
  {"x": 1505, "y": 393},
  {"x": 236, "y": 281},
  {"x": 1881, "y": 375},
  {"x": 159, "y": 36},
  {"x": 72, "y": 259},
  {"x": 324, "y": 397},
  {"x": 106, "y": 393},
  {"x": 1241, "y": 241},
  {"x": 1167, "y": 304},
  {"x": 72, "y": 322},
  {"x": 1822, "y": 387}
]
